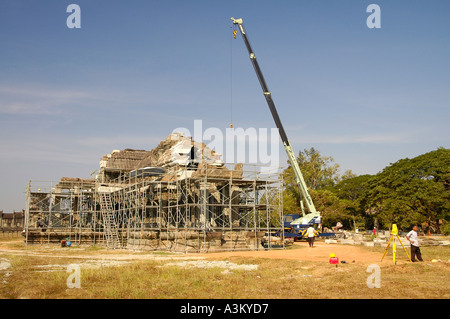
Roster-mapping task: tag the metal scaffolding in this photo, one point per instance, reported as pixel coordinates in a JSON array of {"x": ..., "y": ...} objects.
[{"x": 187, "y": 209}]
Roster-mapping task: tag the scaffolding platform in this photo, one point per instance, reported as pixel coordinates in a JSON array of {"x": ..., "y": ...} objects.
[{"x": 187, "y": 209}]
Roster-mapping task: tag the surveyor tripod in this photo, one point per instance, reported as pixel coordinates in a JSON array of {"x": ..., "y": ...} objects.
[{"x": 394, "y": 234}]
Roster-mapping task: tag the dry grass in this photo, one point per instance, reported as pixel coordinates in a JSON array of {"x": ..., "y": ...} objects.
[{"x": 274, "y": 279}]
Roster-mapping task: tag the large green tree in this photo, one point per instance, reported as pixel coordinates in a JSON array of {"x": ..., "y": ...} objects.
[
  {"x": 320, "y": 173},
  {"x": 353, "y": 191},
  {"x": 412, "y": 191},
  {"x": 333, "y": 209}
]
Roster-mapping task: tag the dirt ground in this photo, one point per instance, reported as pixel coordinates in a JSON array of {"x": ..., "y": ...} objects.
[{"x": 301, "y": 251}]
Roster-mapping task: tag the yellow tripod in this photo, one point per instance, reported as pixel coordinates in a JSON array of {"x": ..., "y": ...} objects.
[{"x": 394, "y": 233}]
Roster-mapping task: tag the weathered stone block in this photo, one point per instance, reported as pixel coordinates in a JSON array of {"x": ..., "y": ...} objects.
[{"x": 368, "y": 243}]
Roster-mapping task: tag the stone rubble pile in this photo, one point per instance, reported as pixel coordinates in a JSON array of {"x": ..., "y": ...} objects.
[{"x": 381, "y": 239}]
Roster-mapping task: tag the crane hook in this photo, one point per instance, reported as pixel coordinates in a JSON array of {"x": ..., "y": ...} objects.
[{"x": 234, "y": 33}]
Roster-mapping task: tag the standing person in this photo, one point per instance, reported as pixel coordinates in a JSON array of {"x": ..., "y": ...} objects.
[
  {"x": 414, "y": 240},
  {"x": 310, "y": 233}
]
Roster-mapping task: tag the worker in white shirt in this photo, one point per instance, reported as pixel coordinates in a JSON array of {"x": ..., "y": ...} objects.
[
  {"x": 414, "y": 240},
  {"x": 310, "y": 233}
]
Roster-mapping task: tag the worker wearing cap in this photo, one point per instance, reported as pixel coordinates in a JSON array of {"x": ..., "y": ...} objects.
[{"x": 414, "y": 240}]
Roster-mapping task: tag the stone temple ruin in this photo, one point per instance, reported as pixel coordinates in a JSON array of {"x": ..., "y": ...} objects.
[{"x": 179, "y": 196}]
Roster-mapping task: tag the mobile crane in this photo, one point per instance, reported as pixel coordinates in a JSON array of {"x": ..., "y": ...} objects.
[{"x": 314, "y": 216}]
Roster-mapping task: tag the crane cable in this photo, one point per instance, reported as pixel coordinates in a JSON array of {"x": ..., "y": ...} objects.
[{"x": 231, "y": 73}]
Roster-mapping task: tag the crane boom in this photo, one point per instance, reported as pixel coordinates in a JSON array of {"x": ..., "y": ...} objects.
[{"x": 287, "y": 145}]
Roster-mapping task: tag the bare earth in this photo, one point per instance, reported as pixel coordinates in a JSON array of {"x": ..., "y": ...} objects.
[
  {"x": 321, "y": 252},
  {"x": 300, "y": 251}
]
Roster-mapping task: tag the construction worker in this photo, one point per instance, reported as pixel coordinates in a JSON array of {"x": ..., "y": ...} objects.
[
  {"x": 39, "y": 223},
  {"x": 414, "y": 240},
  {"x": 310, "y": 234}
]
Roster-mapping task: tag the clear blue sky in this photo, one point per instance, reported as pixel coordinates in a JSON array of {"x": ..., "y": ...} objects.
[{"x": 136, "y": 70}]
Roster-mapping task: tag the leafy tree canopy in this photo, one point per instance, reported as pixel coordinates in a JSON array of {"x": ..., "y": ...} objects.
[{"x": 412, "y": 191}]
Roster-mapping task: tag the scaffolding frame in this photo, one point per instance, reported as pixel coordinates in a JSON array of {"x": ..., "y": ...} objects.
[
  {"x": 67, "y": 211},
  {"x": 186, "y": 210}
]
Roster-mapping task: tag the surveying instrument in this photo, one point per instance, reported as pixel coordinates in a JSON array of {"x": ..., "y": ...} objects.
[{"x": 394, "y": 234}]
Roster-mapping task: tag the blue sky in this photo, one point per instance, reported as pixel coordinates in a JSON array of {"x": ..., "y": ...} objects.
[{"x": 136, "y": 70}]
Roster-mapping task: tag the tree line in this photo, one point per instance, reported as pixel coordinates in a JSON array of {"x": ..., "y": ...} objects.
[{"x": 408, "y": 192}]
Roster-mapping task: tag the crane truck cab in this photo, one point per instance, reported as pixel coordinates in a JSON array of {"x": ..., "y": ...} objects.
[
  {"x": 295, "y": 226},
  {"x": 289, "y": 218}
]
